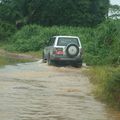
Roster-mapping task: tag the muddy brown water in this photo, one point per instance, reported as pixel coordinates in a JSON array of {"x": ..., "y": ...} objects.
[{"x": 35, "y": 91}]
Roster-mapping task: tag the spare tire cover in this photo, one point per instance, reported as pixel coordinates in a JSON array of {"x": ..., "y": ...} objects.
[{"x": 72, "y": 50}]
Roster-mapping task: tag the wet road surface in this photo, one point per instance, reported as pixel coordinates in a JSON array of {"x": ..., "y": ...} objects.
[{"x": 35, "y": 91}]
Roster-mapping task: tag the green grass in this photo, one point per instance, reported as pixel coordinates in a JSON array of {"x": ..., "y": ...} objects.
[
  {"x": 106, "y": 82},
  {"x": 4, "y": 60},
  {"x": 7, "y": 58},
  {"x": 36, "y": 54}
]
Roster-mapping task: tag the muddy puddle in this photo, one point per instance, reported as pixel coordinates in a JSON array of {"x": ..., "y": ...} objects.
[{"x": 35, "y": 91}]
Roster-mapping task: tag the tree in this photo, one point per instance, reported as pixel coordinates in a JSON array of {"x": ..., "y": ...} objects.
[{"x": 56, "y": 12}]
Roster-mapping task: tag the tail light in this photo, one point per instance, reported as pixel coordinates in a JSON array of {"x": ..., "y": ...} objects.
[{"x": 58, "y": 51}]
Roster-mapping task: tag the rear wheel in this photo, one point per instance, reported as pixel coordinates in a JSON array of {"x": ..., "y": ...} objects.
[
  {"x": 49, "y": 61},
  {"x": 43, "y": 58},
  {"x": 77, "y": 65}
]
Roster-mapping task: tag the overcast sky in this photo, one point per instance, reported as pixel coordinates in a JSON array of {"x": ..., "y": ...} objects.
[{"x": 115, "y": 2}]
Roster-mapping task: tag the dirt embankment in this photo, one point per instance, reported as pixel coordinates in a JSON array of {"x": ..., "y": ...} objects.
[{"x": 21, "y": 56}]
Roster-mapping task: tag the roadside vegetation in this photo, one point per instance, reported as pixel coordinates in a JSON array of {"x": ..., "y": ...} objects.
[
  {"x": 7, "y": 57},
  {"x": 26, "y": 28},
  {"x": 101, "y": 44},
  {"x": 106, "y": 80},
  {"x": 6, "y": 30},
  {"x": 54, "y": 12},
  {"x": 7, "y": 60}
]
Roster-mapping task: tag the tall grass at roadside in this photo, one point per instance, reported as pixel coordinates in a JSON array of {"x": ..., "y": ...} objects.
[
  {"x": 106, "y": 82},
  {"x": 3, "y": 61}
]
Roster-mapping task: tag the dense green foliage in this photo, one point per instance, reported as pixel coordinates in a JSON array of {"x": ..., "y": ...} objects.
[
  {"x": 54, "y": 12},
  {"x": 101, "y": 44},
  {"x": 107, "y": 84},
  {"x": 6, "y": 30},
  {"x": 104, "y": 46},
  {"x": 113, "y": 87}
]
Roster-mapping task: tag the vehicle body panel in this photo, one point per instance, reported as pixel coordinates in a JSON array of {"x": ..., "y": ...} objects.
[{"x": 51, "y": 49}]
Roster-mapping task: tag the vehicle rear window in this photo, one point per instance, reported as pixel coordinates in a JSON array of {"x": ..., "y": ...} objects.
[{"x": 65, "y": 41}]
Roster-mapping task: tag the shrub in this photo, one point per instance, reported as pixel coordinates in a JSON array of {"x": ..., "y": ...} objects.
[
  {"x": 106, "y": 82},
  {"x": 34, "y": 37},
  {"x": 104, "y": 46},
  {"x": 6, "y": 30},
  {"x": 108, "y": 41},
  {"x": 112, "y": 87}
]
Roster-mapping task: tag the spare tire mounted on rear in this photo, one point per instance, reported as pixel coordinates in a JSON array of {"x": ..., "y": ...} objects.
[{"x": 72, "y": 50}]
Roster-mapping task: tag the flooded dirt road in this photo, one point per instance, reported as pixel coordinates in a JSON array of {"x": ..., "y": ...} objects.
[{"x": 35, "y": 91}]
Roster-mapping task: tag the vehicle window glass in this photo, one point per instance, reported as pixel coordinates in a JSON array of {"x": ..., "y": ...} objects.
[
  {"x": 52, "y": 41},
  {"x": 65, "y": 41}
]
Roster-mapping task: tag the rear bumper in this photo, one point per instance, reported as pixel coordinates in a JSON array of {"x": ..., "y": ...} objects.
[{"x": 66, "y": 59}]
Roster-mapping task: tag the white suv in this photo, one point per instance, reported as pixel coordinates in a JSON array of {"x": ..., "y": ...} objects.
[{"x": 64, "y": 49}]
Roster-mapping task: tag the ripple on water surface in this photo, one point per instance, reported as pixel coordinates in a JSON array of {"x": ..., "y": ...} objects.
[{"x": 35, "y": 91}]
